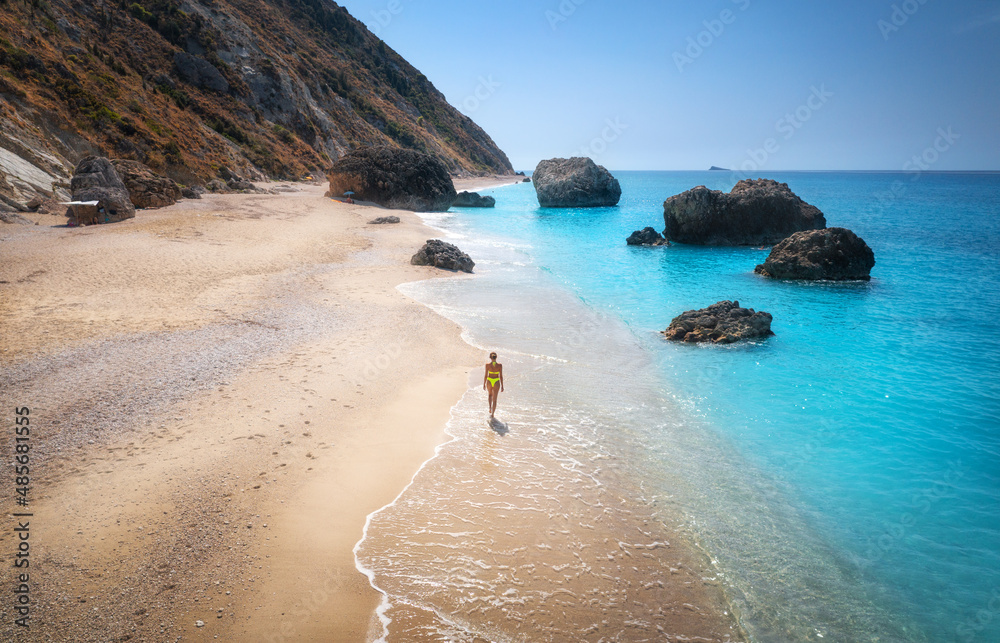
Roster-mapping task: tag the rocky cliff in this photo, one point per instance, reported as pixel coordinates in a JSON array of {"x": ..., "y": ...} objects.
[{"x": 272, "y": 88}]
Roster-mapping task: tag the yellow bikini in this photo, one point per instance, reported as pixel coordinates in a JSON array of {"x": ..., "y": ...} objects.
[{"x": 492, "y": 377}]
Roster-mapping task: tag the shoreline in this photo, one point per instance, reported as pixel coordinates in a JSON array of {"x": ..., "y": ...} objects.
[
  {"x": 212, "y": 496},
  {"x": 693, "y": 586},
  {"x": 480, "y": 183},
  {"x": 239, "y": 500}
]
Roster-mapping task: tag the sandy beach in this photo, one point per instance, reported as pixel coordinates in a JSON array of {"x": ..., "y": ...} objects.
[{"x": 220, "y": 392}]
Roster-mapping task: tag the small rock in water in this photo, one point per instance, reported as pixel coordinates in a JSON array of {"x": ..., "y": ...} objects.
[
  {"x": 473, "y": 200},
  {"x": 646, "y": 237},
  {"x": 721, "y": 323},
  {"x": 835, "y": 254}
]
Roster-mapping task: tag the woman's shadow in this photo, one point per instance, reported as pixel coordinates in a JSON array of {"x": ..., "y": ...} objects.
[{"x": 499, "y": 427}]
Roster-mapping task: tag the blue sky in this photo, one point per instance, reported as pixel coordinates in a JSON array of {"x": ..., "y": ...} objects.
[{"x": 780, "y": 85}]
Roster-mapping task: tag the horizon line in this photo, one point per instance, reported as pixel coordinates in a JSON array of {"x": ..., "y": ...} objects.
[{"x": 725, "y": 171}]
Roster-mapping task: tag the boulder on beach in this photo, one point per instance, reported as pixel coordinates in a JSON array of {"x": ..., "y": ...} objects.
[
  {"x": 14, "y": 217},
  {"x": 43, "y": 205},
  {"x": 648, "y": 236},
  {"x": 146, "y": 188},
  {"x": 721, "y": 323},
  {"x": 444, "y": 255},
  {"x": 473, "y": 200},
  {"x": 241, "y": 185},
  {"x": 192, "y": 192},
  {"x": 577, "y": 182},
  {"x": 384, "y": 220},
  {"x": 393, "y": 178},
  {"x": 836, "y": 254},
  {"x": 95, "y": 179},
  {"x": 217, "y": 186},
  {"x": 754, "y": 212}
]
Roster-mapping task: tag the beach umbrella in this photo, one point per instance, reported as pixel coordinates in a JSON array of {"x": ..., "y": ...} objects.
[{"x": 348, "y": 193}]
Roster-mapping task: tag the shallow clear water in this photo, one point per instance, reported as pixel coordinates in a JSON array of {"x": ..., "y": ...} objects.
[{"x": 842, "y": 475}]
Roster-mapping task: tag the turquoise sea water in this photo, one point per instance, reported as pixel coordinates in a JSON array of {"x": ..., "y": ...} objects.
[{"x": 844, "y": 475}]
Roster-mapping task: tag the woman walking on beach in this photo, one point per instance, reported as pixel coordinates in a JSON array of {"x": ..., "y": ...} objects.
[{"x": 493, "y": 382}]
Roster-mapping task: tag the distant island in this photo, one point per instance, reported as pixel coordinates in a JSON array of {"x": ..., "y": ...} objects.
[{"x": 717, "y": 169}]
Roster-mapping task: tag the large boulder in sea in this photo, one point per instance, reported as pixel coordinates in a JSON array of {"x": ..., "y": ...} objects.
[
  {"x": 146, "y": 188},
  {"x": 836, "y": 254},
  {"x": 721, "y": 323},
  {"x": 95, "y": 179},
  {"x": 473, "y": 200},
  {"x": 394, "y": 178},
  {"x": 444, "y": 255},
  {"x": 755, "y": 212},
  {"x": 577, "y": 182},
  {"x": 646, "y": 237}
]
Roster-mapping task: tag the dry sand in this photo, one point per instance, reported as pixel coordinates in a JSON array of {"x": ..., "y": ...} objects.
[{"x": 220, "y": 392}]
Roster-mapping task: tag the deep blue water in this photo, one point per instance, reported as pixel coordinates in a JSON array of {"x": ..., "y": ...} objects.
[{"x": 874, "y": 410}]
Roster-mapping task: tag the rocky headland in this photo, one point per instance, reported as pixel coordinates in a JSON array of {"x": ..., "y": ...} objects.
[{"x": 272, "y": 90}]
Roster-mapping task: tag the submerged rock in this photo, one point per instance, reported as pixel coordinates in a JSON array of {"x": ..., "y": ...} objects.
[
  {"x": 755, "y": 212},
  {"x": 832, "y": 253},
  {"x": 384, "y": 220},
  {"x": 440, "y": 254},
  {"x": 577, "y": 182},
  {"x": 95, "y": 179},
  {"x": 473, "y": 200},
  {"x": 721, "y": 323},
  {"x": 648, "y": 236},
  {"x": 393, "y": 178},
  {"x": 146, "y": 188}
]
